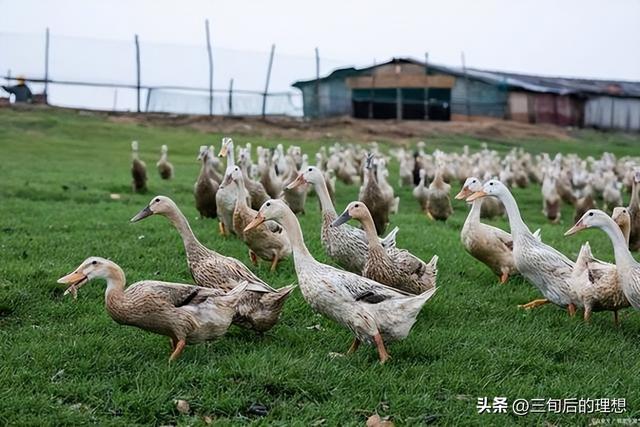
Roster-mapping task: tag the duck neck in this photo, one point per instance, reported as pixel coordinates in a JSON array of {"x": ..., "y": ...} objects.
[
  {"x": 231, "y": 156},
  {"x": 323, "y": 196},
  {"x": 634, "y": 194},
  {"x": 517, "y": 225},
  {"x": 241, "y": 200},
  {"x": 292, "y": 226},
  {"x": 620, "y": 248},
  {"x": 474, "y": 212},
  {"x": 180, "y": 222},
  {"x": 370, "y": 231},
  {"x": 115, "y": 284}
]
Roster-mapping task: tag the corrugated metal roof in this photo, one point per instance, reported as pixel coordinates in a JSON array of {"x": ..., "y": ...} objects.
[{"x": 533, "y": 83}]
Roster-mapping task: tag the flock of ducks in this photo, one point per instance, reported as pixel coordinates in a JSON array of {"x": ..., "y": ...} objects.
[{"x": 376, "y": 289}]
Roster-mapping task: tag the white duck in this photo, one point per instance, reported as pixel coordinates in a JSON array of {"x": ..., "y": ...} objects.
[
  {"x": 374, "y": 313},
  {"x": 545, "y": 267}
]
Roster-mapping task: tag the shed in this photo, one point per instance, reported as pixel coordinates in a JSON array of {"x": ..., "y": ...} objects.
[{"x": 404, "y": 88}]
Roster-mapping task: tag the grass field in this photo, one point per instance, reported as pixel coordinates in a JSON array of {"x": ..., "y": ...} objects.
[{"x": 66, "y": 362}]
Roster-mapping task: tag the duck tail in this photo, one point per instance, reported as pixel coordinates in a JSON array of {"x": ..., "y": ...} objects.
[
  {"x": 232, "y": 298},
  {"x": 274, "y": 299},
  {"x": 390, "y": 240}
]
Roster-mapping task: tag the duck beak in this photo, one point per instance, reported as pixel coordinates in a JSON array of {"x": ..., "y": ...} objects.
[
  {"x": 573, "y": 230},
  {"x": 345, "y": 217},
  {"x": 476, "y": 195},
  {"x": 296, "y": 182},
  {"x": 464, "y": 193},
  {"x": 259, "y": 219},
  {"x": 142, "y": 214},
  {"x": 223, "y": 151},
  {"x": 75, "y": 280}
]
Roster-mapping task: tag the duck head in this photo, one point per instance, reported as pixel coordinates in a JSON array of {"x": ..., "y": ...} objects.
[
  {"x": 354, "y": 210},
  {"x": 470, "y": 186},
  {"x": 160, "y": 205},
  {"x": 271, "y": 210},
  {"x": 493, "y": 187},
  {"x": 91, "y": 268},
  {"x": 591, "y": 218}
]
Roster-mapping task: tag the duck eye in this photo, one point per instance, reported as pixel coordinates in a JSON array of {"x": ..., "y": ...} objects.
[
  {"x": 94, "y": 262},
  {"x": 590, "y": 213},
  {"x": 157, "y": 200},
  {"x": 310, "y": 169},
  {"x": 356, "y": 205},
  {"x": 491, "y": 183},
  {"x": 268, "y": 204}
]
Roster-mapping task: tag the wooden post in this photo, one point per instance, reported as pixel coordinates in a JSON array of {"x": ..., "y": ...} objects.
[
  {"x": 46, "y": 66},
  {"x": 426, "y": 89},
  {"x": 266, "y": 86},
  {"x": 137, "y": 71},
  {"x": 208, "y": 34},
  {"x": 317, "y": 85},
  {"x": 398, "y": 91},
  {"x": 466, "y": 87},
  {"x": 231, "y": 97},
  {"x": 372, "y": 90}
]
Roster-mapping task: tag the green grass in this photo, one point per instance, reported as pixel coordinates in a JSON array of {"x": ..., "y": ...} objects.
[{"x": 66, "y": 362}]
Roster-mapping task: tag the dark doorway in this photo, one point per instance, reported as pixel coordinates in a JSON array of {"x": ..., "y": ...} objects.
[
  {"x": 413, "y": 105},
  {"x": 439, "y": 104}
]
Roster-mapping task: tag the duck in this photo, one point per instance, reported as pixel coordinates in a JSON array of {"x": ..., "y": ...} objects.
[
  {"x": 584, "y": 202},
  {"x": 375, "y": 314},
  {"x": 551, "y": 200},
  {"x": 622, "y": 217},
  {"x": 186, "y": 314},
  {"x": 439, "y": 203},
  {"x": 212, "y": 166},
  {"x": 627, "y": 269},
  {"x": 138, "y": 170},
  {"x": 545, "y": 267},
  {"x": 295, "y": 197},
  {"x": 421, "y": 192},
  {"x": 399, "y": 268},
  {"x": 373, "y": 195},
  {"x": 345, "y": 245},
  {"x": 269, "y": 179},
  {"x": 227, "y": 192},
  {"x": 205, "y": 187},
  {"x": 260, "y": 308},
  {"x": 257, "y": 194},
  {"x": 634, "y": 213},
  {"x": 165, "y": 168},
  {"x": 268, "y": 241},
  {"x": 486, "y": 243}
]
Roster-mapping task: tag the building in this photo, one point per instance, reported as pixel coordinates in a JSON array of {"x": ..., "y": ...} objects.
[{"x": 409, "y": 89}]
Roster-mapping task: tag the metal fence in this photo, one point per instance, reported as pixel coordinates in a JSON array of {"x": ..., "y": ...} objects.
[{"x": 158, "y": 77}]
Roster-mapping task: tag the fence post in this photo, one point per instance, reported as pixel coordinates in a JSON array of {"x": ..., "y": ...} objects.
[
  {"x": 46, "y": 66},
  {"x": 137, "y": 70},
  {"x": 266, "y": 86},
  {"x": 426, "y": 89},
  {"x": 466, "y": 88},
  {"x": 206, "y": 27},
  {"x": 231, "y": 97},
  {"x": 317, "y": 85}
]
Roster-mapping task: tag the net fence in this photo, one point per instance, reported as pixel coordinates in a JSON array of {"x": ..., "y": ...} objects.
[{"x": 102, "y": 74}]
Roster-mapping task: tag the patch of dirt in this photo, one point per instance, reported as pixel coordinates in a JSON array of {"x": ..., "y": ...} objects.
[{"x": 339, "y": 128}]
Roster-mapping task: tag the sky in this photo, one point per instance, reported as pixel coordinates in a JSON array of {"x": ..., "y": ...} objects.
[{"x": 582, "y": 38}]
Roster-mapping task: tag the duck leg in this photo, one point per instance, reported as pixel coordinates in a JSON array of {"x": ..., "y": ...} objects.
[
  {"x": 587, "y": 313},
  {"x": 616, "y": 319},
  {"x": 274, "y": 263},
  {"x": 382, "y": 351},
  {"x": 178, "y": 350},
  {"x": 533, "y": 304},
  {"x": 174, "y": 342},
  {"x": 504, "y": 277},
  {"x": 430, "y": 216},
  {"x": 254, "y": 257},
  {"x": 223, "y": 231},
  {"x": 571, "y": 309},
  {"x": 354, "y": 346}
]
